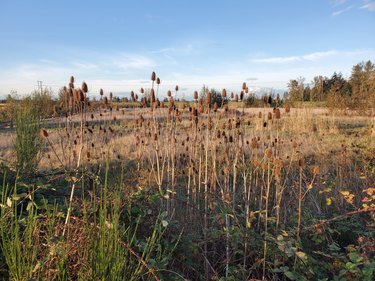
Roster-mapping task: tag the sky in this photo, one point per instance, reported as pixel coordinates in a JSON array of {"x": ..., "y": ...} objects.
[{"x": 115, "y": 45}]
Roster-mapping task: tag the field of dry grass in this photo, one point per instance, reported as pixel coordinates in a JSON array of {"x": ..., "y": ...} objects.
[{"x": 246, "y": 193}]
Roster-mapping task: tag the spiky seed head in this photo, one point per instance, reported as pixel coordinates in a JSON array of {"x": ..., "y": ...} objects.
[
  {"x": 43, "y": 133},
  {"x": 268, "y": 153},
  {"x": 81, "y": 95},
  {"x": 224, "y": 93},
  {"x": 287, "y": 108},
  {"x": 169, "y": 93},
  {"x": 158, "y": 81},
  {"x": 277, "y": 113},
  {"x": 247, "y": 90},
  {"x": 236, "y": 99},
  {"x": 232, "y": 95},
  {"x": 269, "y": 116},
  {"x": 153, "y": 76},
  {"x": 195, "y": 95},
  {"x": 176, "y": 88},
  {"x": 142, "y": 91},
  {"x": 84, "y": 87},
  {"x": 208, "y": 98},
  {"x": 72, "y": 79},
  {"x": 243, "y": 85},
  {"x": 110, "y": 96},
  {"x": 241, "y": 95},
  {"x": 101, "y": 92}
]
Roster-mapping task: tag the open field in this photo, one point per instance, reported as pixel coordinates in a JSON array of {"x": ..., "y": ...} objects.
[{"x": 210, "y": 194}]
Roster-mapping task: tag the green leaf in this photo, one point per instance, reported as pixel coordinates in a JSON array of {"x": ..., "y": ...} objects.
[{"x": 290, "y": 275}]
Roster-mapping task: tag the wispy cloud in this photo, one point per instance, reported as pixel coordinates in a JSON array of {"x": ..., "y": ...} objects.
[
  {"x": 290, "y": 59},
  {"x": 338, "y": 2},
  {"x": 312, "y": 57},
  {"x": 133, "y": 61},
  {"x": 84, "y": 65},
  {"x": 369, "y": 7},
  {"x": 340, "y": 12}
]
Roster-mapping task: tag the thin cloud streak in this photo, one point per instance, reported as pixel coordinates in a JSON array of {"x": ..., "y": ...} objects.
[
  {"x": 369, "y": 7},
  {"x": 340, "y": 12},
  {"x": 312, "y": 57}
]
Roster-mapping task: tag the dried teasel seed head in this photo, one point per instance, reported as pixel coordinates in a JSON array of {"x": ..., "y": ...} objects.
[
  {"x": 236, "y": 98},
  {"x": 169, "y": 93},
  {"x": 176, "y": 88},
  {"x": 71, "y": 79},
  {"x": 158, "y": 81},
  {"x": 268, "y": 153},
  {"x": 110, "y": 96},
  {"x": 224, "y": 93},
  {"x": 84, "y": 87},
  {"x": 243, "y": 85},
  {"x": 43, "y": 133},
  {"x": 208, "y": 98},
  {"x": 269, "y": 116},
  {"x": 195, "y": 95},
  {"x": 287, "y": 108},
  {"x": 101, "y": 92},
  {"x": 153, "y": 76},
  {"x": 277, "y": 113},
  {"x": 142, "y": 91},
  {"x": 215, "y": 106}
]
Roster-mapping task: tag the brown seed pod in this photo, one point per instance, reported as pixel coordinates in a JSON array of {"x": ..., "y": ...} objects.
[
  {"x": 101, "y": 92},
  {"x": 153, "y": 76},
  {"x": 84, "y": 87},
  {"x": 269, "y": 116},
  {"x": 243, "y": 85},
  {"x": 169, "y": 93},
  {"x": 232, "y": 95},
  {"x": 43, "y": 133},
  {"x": 236, "y": 99},
  {"x": 277, "y": 113},
  {"x": 176, "y": 88},
  {"x": 142, "y": 91},
  {"x": 287, "y": 108},
  {"x": 110, "y": 96},
  {"x": 71, "y": 79},
  {"x": 224, "y": 93},
  {"x": 81, "y": 95},
  {"x": 208, "y": 98},
  {"x": 158, "y": 81},
  {"x": 195, "y": 95},
  {"x": 300, "y": 162},
  {"x": 268, "y": 153}
]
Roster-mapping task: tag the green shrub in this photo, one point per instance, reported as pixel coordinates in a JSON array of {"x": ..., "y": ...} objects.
[{"x": 28, "y": 142}]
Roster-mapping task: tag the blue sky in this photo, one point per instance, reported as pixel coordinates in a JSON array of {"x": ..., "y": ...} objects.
[{"x": 115, "y": 45}]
